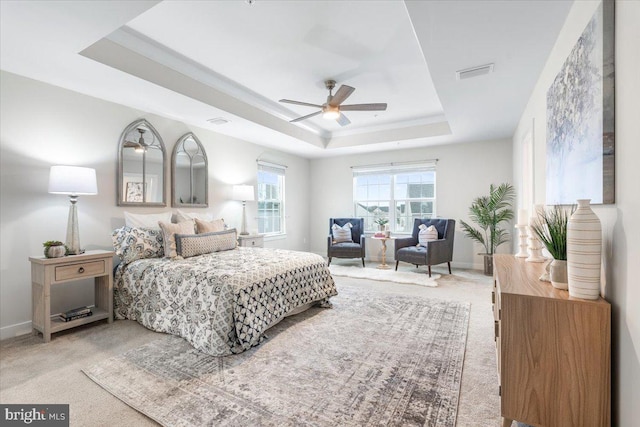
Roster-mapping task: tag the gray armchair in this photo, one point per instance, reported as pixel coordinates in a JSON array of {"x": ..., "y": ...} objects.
[
  {"x": 436, "y": 252},
  {"x": 353, "y": 249}
]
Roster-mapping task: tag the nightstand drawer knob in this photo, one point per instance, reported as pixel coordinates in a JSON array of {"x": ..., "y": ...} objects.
[{"x": 81, "y": 270}]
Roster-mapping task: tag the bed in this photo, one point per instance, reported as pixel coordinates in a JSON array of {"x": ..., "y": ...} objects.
[{"x": 221, "y": 302}]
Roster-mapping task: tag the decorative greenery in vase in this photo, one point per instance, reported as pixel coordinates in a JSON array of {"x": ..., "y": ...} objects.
[
  {"x": 54, "y": 249},
  {"x": 551, "y": 229},
  {"x": 381, "y": 222},
  {"x": 488, "y": 212}
]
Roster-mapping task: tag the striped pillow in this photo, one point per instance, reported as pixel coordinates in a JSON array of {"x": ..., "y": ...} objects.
[
  {"x": 341, "y": 234},
  {"x": 426, "y": 234},
  {"x": 188, "y": 245}
]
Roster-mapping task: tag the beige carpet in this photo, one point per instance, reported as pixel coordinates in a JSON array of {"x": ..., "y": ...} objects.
[
  {"x": 373, "y": 359},
  {"x": 34, "y": 372}
]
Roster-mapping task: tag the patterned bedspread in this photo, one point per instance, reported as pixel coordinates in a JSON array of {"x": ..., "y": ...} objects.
[{"x": 222, "y": 303}]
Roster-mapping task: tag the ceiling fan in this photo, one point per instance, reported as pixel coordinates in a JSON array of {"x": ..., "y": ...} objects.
[
  {"x": 139, "y": 146},
  {"x": 332, "y": 109}
]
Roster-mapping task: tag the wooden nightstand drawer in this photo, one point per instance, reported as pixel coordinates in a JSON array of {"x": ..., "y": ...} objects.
[
  {"x": 255, "y": 241},
  {"x": 78, "y": 271}
]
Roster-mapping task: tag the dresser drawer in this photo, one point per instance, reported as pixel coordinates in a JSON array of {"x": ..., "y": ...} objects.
[{"x": 80, "y": 270}]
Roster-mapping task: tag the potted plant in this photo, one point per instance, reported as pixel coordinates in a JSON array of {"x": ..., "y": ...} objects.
[
  {"x": 54, "y": 249},
  {"x": 381, "y": 223},
  {"x": 551, "y": 229},
  {"x": 488, "y": 212}
]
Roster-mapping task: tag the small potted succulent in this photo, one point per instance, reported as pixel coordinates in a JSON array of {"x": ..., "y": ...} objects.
[{"x": 54, "y": 249}]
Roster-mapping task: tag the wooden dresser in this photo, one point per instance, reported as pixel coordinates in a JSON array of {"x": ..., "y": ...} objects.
[{"x": 553, "y": 351}]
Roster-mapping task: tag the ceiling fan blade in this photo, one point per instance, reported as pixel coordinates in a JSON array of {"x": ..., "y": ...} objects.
[
  {"x": 306, "y": 104},
  {"x": 343, "y": 120},
  {"x": 343, "y": 93},
  {"x": 364, "y": 107},
  {"x": 305, "y": 117},
  {"x": 130, "y": 144}
]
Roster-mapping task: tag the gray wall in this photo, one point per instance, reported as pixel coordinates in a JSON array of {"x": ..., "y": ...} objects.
[
  {"x": 44, "y": 125},
  {"x": 464, "y": 171},
  {"x": 620, "y": 222}
]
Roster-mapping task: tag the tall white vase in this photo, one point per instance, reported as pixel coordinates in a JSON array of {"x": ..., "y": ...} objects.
[{"x": 584, "y": 252}]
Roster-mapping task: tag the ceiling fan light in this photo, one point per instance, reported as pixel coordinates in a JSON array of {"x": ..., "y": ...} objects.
[
  {"x": 330, "y": 113},
  {"x": 139, "y": 149}
]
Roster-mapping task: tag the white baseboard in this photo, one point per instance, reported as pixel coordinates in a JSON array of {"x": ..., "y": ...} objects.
[{"x": 15, "y": 330}]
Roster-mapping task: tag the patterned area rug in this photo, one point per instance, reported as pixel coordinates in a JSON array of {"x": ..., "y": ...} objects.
[
  {"x": 374, "y": 359},
  {"x": 414, "y": 278}
]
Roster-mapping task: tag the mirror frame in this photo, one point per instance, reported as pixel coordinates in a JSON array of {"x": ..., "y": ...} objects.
[
  {"x": 174, "y": 197},
  {"x": 120, "y": 178}
]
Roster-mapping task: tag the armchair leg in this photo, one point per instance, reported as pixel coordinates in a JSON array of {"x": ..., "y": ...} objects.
[
  {"x": 397, "y": 265},
  {"x": 329, "y": 263},
  {"x": 363, "y": 262},
  {"x": 429, "y": 270},
  {"x": 449, "y": 264}
]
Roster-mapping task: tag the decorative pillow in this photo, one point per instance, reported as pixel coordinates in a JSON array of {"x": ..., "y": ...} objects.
[
  {"x": 146, "y": 220},
  {"x": 188, "y": 245},
  {"x": 132, "y": 243},
  {"x": 209, "y": 226},
  {"x": 426, "y": 234},
  {"x": 170, "y": 230},
  {"x": 341, "y": 234},
  {"x": 185, "y": 216}
]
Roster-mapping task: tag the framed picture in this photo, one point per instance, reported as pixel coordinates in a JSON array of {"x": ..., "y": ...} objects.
[
  {"x": 580, "y": 117},
  {"x": 134, "y": 192}
]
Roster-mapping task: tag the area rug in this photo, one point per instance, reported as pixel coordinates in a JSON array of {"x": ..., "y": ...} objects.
[
  {"x": 414, "y": 278},
  {"x": 373, "y": 359}
]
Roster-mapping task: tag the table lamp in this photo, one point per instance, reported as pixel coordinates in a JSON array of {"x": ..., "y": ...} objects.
[
  {"x": 74, "y": 181},
  {"x": 243, "y": 193}
]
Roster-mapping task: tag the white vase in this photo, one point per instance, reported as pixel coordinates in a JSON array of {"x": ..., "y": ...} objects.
[{"x": 584, "y": 252}]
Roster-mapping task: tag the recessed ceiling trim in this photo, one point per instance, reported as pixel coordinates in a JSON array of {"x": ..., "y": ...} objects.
[
  {"x": 142, "y": 45},
  {"x": 422, "y": 121},
  {"x": 119, "y": 57}
]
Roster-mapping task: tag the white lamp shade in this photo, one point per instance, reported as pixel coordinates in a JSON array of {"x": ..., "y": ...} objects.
[
  {"x": 243, "y": 193},
  {"x": 73, "y": 180}
]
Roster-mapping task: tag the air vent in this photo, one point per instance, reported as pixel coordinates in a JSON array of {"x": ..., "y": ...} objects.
[
  {"x": 470, "y": 73},
  {"x": 218, "y": 121}
]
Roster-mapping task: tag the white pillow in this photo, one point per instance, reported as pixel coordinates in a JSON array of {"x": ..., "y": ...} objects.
[
  {"x": 149, "y": 221},
  {"x": 341, "y": 234},
  {"x": 186, "y": 216},
  {"x": 426, "y": 234}
]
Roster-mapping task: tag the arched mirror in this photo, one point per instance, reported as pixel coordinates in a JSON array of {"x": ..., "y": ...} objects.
[
  {"x": 141, "y": 166},
  {"x": 189, "y": 173}
]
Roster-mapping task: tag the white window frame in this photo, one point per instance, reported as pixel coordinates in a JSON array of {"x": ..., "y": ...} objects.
[
  {"x": 393, "y": 170},
  {"x": 278, "y": 170}
]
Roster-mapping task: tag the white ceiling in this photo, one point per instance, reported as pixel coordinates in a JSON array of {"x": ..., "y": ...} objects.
[{"x": 196, "y": 60}]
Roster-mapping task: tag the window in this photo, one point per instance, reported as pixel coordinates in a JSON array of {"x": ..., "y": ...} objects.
[
  {"x": 398, "y": 193},
  {"x": 270, "y": 198}
]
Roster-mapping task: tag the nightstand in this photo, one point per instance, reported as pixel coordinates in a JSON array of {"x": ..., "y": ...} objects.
[
  {"x": 251, "y": 240},
  {"x": 46, "y": 273}
]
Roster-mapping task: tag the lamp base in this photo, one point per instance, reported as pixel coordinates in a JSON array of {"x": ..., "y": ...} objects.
[
  {"x": 73, "y": 235},
  {"x": 244, "y": 233}
]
